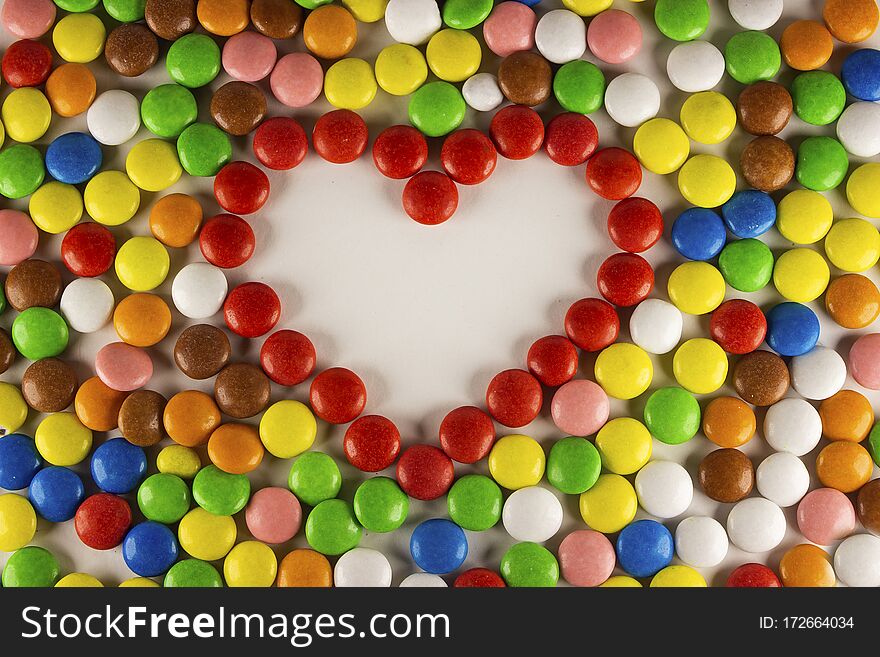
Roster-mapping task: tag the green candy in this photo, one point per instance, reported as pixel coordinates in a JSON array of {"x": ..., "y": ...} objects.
[
  {"x": 574, "y": 465},
  {"x": 39, "y": 333},
  {"x": 312, "y": 4},
  {"x": 465, "y": 14},
  {"x": 682, "y": 20},
  {"x": 531, "y": 565},
  {"x": 314, "y": 477},
  {"x": 380, "y": 505},
  {"x": 193, "y": 60},
  {"x": 436, "y": 109},
  {"x": 77, "y": 6},
  {"x": 822, "y": 163},
  {"x": 474, "y": 503},
  {"x": 219, "y": 492},
  {"x": 203, "y": 149},
  {"x": 874, "y": 443},
  {"x": 752, "y": 56},
  {"x": 672, "y": 415},
  {"x": 579, "y": 86},
  {"x": 126, "y": 11},
  {"x": 818, "y": 96},
  {"x": 332, "y": 528},
  {"x": 746, "y": 265},
  {"x": 31, "y": 567},
  {"x": 163, "y": 498},
  {"x": 21, "y": 171},
  {"x": 194, "y": 574},
  {"x": 168, "y": 109}
]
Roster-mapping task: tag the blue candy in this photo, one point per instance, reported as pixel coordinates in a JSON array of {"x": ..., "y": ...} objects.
[
  {"x": 529, "y": 3},
  {"x": 860, "y": 74},
  {"x": 699, "y": 234},
  {"x": 56, "y": 493},
  {"x": 792, "y": 329},
  {"x": 149, "y": 549},
  {"x": 749, "y": 213},
  {"x": 644, "y": 548},
  {"x": 74, "y": 158},
  {"x": 19, "y": 461},
  {"x": 438, "y": 546},
  {"x": 118, "y": 466}
]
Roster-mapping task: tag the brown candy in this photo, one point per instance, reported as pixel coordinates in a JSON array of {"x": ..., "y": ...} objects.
[
  {"x": 242, "y": 390},
  {"x": 868, "y": 506},
  {"x": 277, "y": 19},
  {"x": 727, "y": 475},
  {"x": 238, "y": 108},
  {"x": 49, "y": 385},
  {"x": 140, "y": 418},
  {"x": 33, "y": 283},
  {"x": 170, "y": 19},
  {"x": 525, "y": 78},
  {"x": 764, "y": 108},
  {"x": 767, "y": 163},
  {"x": 131, "y": 49},
  {"x": 201, "y": 351},
  {"x": 7, "y": 351},
  {"x": 761, "y": 378}
]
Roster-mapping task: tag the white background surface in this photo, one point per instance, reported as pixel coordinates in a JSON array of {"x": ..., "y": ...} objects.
[{"x": 427, "y": 315}]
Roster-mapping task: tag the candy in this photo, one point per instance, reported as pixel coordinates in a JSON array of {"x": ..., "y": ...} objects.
[
  {"x": 767, "y": 163},
  {"x": 859, "y": 74},
  {"x": 825, "y": 515},
  {"x": 20, "y": 237},
  {"x": 250, "y": 564},
  {"x": 21, "y": 171},
  {"x": 695, "y": 66},
  {"x": 672, "y": 415},
  {"x": 142, "y": 320},
  {"x": 28, "y": 19},
  {"x": 193, "y": 60},
  {"x": 178, "y": 460},
  {"x": 362, "y": 567},
  {"x": 570, "y": 140},
  {"x": 479, "y": 578},
  {"x": 170, "y": 19},
  {"x": 26, "y": 114},
  {"x": 152, "y": 165},
  {"x": 752, "y": 15},
  {"x": 79, "y": 38},
  {"x": 252, "y": 309},
  {"x": 241, "y": 390},
  {"x": 206, "y": 536},
  {"x": 332, "y": 528},
  {"x": 475, "y": 503},
  {"x": 412, "y": 22},
  {"x": 579, "y": 86},
  {"x": 792, "y": 329},
  {"x": 102, "y": 520},
  {"x": 249, "y": 57},
  {"x": 372, "y": 443},
  {"x": 529, "y": 565},
  {"x": 860, "y": 192},
  {"x": 18, "y": 522},
  {"x": 7, "y": 351},
  {"x": 19, "y": 461},
  {"x": 851, "y": 22},
  {"x": 844, "y": 465},
  {"x": 235, "y": 448},
  {"x": 586, "y": 558},
  {"x": 806, "y": 45},
  {"x": 552, "y": 360},
  {"x": 340, "y": 136},
  {"x": 227, "y": 242},
  {"x": 190, "y": 417},
  {"x": 644, "y": 548},
  {"x": 149, "y": 549},
  {"x": 39, "y": 333},
  {"x": 510, "y": 28},
  {"x": 634, "y": 224},
  {"x": 55, "y": 493},
  {"x": 439, "y": 546},
  {"x": 117, "y": 466},
  {"x": 49, "y": 385},
  {"x": 238, "y": 108},
  {"x": 223, "y": 17},
  {"x": 31, "y": 566},
  {"x": 761, "y": 378},
  {"x": 698, "y": 234},
  {"x": 708, "y": 117},
  {"x": 425, "y": 472},
  {"x": 193, "y": 573},
  {"x": 380, "y": 505},
  {"x": 783, "y": 479},
  {"x": 614, "y": 36},
  {"x": 726, "y": 475},
  {"x": 304, "y": 568},
  {"x": 350, "y": 84},
  {"x": 32, "y": 283},
  {"x": 696, "y": 288},
  {"x": 314, "y": 477},
  {"x": 855, "y": 559},
  {"x": 454, "y": 55},
  {"x": 621, "y": 581},
  {"x": 26, "y": 64},
  {"x": 131, "y": 50},
  {"x": 199, "y": 290},
  {"x": 168, "y": 109},
  {"x": 423, "y": 580},
  {"x": 806, "y": 565},
  {"x": 287, "y": 428},
  {"x": 756, "y": 525},
  {"x": 573, "y": 466},
  {"x": 514, "y": 398},
  {"x": 846, "y": 415},
  {"x": 664, "y": 489},
  {"x": 706, "y": 181},
  {"x": 201, "y": 351},
  {"x": 140, "y": 418},
  {"x": 516, "y": 461},
  {"x": 561, "y": 36},
  {"x": 701, "y": 542},
  {"x": 818, "y": 96},
  {"x": 610, "y": 505},
  {"x": 764, "y": 108},
  {"x": 464, "y": 15},
  {"x": 517, "y": 131},
  {"x": 625, "y": 279},
  {"x": 852, "y": 301},
  {"x": 753, "y": 575},
  {"x": 630, "y": 99},
  {"x": 87, "y": 305},
  {"x": 467, "y": 434},
  {"x": 219, "y": 492},
  {"x": 280, "y": 143},
  {"x": 56, "y": 207},
  {"x": 792, "y": 425},
  {"x": 467, "y": 156},
  {"x": 297, "y": 79},
  {"x": 747, "y": 265},
  {"x": 801, "y": 275},
  {"x": 624, "y": 445},
  {"x": 866, "y": 505},
  {"x": 661, "y": 145},
  {"x": 818, "y": 374},
  {"x": 525, "y": 78},
  {"x": 592, "y": 324},
  {"x": 287, "y": 357},
  {"x": 752, "y": 56},
  {"x": 682, "y": 20},
  {"x": 855, "y": 129}
]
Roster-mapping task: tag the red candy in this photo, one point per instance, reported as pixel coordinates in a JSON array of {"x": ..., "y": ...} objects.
[
  {"x": 467, "y": 434},
  {"x": 514, "y": 398},
  {"x": 252, "y": 309},
  {"x": 26, "y": 63},
  {"x": 614, "y": 173},
  {"x": 479, "y": 578},
  {"x": 280, "y": 143},
  {"x": 468, "y": 156},
  {"x": 338, "y": 395},
  {"x": 517, "y": 131},
  {"x": 288, "y": 357},
  {"x": 400, "y": 152},
  {"x": 430, "y": 198},
  {"x": 635, "y": 224},
  {"x": 571, "y": 139},
  {"x": 424, "y": 472},
  {"x": 753, "y": 575},
  {"x": 88, "y": 249},
  {"x": 102, "y": 520},
  {"x": 592, "y": 324},
  {"x": 738, "y": 326},
  {"x": 625, "y": 279},
  {"x": 553, "y": 360},
  {"x": 340, "y": 136},
  {"x": 241, "y": 188},
  {"x": 227, "y": 241},
  {"x": 371, "y": 443}
]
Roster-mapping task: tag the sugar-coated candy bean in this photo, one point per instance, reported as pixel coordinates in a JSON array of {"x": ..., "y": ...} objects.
[
  {"x": 631, "y": 99},
  {"x": 782, "y": 478},
  {"x": 199, "y": 290},
  {"x": 438, "y": 546},
  {"x": 19, "y": 461},
  {"x": 614, "y": 36},
  {"x": 825, "y": 515},
  {"x": 102, "y": 520},
  {"x": 79, "y": 38},
  {"x": 510, "y": 28},
  {"x": 49, "y": 385},
  {"x": 746, "y": 264},
  {"x": 682, "y": 20},
  {"x": 851, "y": 22},
  {"x": 672, "y": 415},
  {"x": 123, "y": 367},
  {"x": 26, "y": 63},
  {"x": 860, "y": 74},
  {"x": 131, "y": 49},
  {"x": 866, "y": 503},
  {"x": 297, "y": 79},
  {"x": 818, "y": 374},
  {"x": 624, "y": 370},
  {"x": 363, "y": 567},
  {"x": 625, "y": 445},
  {"x": 249, "y": 56},
  {"x": 340, "y": 136},
  {"x": 570, "y": 139},
  {"x": 514, "y": 398},
  {"x": 19, "y": 522},
  {"x": 726, "y": 475},
  {"x": 62, "y": 439},
  {"x": 241, "y": 188},
  {"x": 273, "y": 515},
  {"x": 193, "y": 60},
  {"x": 88, "y": 250},
  {"x": 371, "y": 443},
  {"x": 437, "y": 108},
  {"x": 625, "y": 279},
  {"x": 31, "y": 566},
  {"x": 532, "y": 514},
  {"x": 792, "y": 329},
  {"x": 337, "y": 395},
  {"x": 846, "y": 415},
  {"x": 142, "y": 319},
  {"x": 701, "y": 542},
  {"x": 753, "y": 575},
  {"x": 423, "y": 580},
  {"x": 614, "y": 173},
  {"x": 412, "y": 22},
  {"x": 20, "y": 237},
  {"x": 695, "y": 66},
  {"x": 857, "y": 560},
  {"x": 518, "y": 132},
  {"x": 332, "y": 528},
  {"x": 644, "y": 548},
  {"x": 252, "y": 309},
  {"x": 592, "y": 324},
  {"x": 561, "y": 36},
  {"x": 424, "y": 472},
  {"x": 525, "y": 78},
  {"x": 752, "y": 56},
  {"x": 117, "y": 466},
  {"x": 28, "y": 19},
  {"x": 729, "y": 422},
  {"x": 553, "y": 360},
  {"x": 756, "y": 525},
  {"x": 288, "y": 357},
  {"x": 479, "y": 578},
  {"x": 467, "y": 434},
  {"x": 401, "y": 69},
  {"x": 586, "y": 558},
  {"x": 481, "y": 92},
  {"x": 698, "y": 234},
  {"x": 529, "y": 565},
  {"x": 806, "y": 45},
  {"x": 468, "y": 156},
  {"x": 579, "y": 86},
  {"x": 149, "y": 549},
  {"x": 755, "y": 14},
  {"x": 87, "y": 304},
  {"x": 764, "y": 108},
  {"x": 664, "y": 489},
  {"x": 226, "y": 241},
  {"x": 400, "y": 151},
  {"x": 738, "y": 326},
  {"x": 380, "y": 505},
  {"x": 516, "y": 461},
  {"x": 453, "y": 55},
  {"x": 573, "y": 465},
  {"x": 56, "y": 493}
]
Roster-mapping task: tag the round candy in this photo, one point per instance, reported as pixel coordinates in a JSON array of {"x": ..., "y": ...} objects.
[
  {"x": 21, "y": 171},
  {"x": 350, "y": 84},
  {"x": 305, "y": 568},
  {"x": 855, "y": 559},
  {"x": 592, "y": 324},
  {"x": 297, "y": 79},
  {"x": 792, "y": 425},
  {"x": 49, "y": 385},
  {"x": 752, "y": 56},
  {"x": 614, "y": 173},
  {"x": 362, "y": 567},
  {"x": 682, "y": 20},
  {"x": 131, "y": 50},
  {"x": 706, "y": 181},
  {"x": 439, "y": 546},
  {"x": 123, "y": 367},
  {"x": 436, "y": 109},
  {"x": 747, "y": 265},
  {"x": 610, "y": 505},
  {"x": 767, "y": 163},
  {"x": 332, "y": 528},
  {"x": 625, "y": 279},
  {"x": 152, "y": 165},
  {"x": 801, "y": 275},
  {"x": 467, "y": 156},
  {"x": 783, "y": 479},
  {"x": 695, "y": 66},
  {"x": 193, "y": 573},
  {"x": 87, "y": 305},
  {"x": 510, "y": 28},
  {"x": 20, "y": 237},
  {"x": 678, "y": 577},
  {"x": 481, "y": 92},
  {"x": 696, "y": 288},
  {"x": 825, "y": 515},
  {"x": 425, "y": 472},
  {"x": 117, "y": 466},
  {"x": 624, "y": 371},
  {"x": 56, "y": 493},
  {"x": 579, "y": 87},
  {"x": 88, "y": 250},
  {"x": 524, "y": 78},
  {"x": 163, "y": 498},
  {"x": 561, "y": 36},
  {"x": 28, "y": 19},
  {"x": 761, "y": 378},
  {"x": 280, "y": 143},
  {"x": 79, "y": 38},
  {"x": 479, "y": 578},
  {"x": 698, "y": 234},
  {"x": 203, "y": 150},
  {"x": 726, "y": 475},
  {"x": 18, "y": 522},
  {"x": 193, "y": 60},
  {"x": 664, "y": 489},
  {"x": 573, "y": 466},
  {"x": 853, "y": 245},
  {"x": 859, "y": 74},
  {"x": 631, "y": 99},
  {"x": 860, "y": 191},
  {"x": 701, "y": 542},
  {"x": 199, "y": 290},
  {"x": 475, "y": 503},
  {"x": 287, "y": 428},
  {"x": 380, "y": 505},
  {"x": 634, "y": 224},
  {"x": 851, "y": 22},
  {"x": 644, "y": 547},
  {"x": 111, "y": 198},
  {"x": 661, "y": 145},
  {"x": 553, "y": 360},
  {"x": 206, "y": 536},
  {"x": 250, "y": 564},
  {"x": 26, "y": 64},
  {"x": 453, "y": 55},
  {"x": 219, "y": 492},
  {"x": 19, "y": 461},
  {"x": 467, "y": 434},
  {"x": 372, "y": 443},
  {"x": 423, "y": 580},
  {"x": 252, "y": 309},
  {"x": 39, "y": 333},
  {"x": 844, "y": 465},
  {"x": 340, "y": 136},
  {"x": 401, "y": 69},
  {"x": 586, "y": 558},
  {"x": 102, "y": 520},
  {"x": 514, "y": 398},
  {"x": 31, "y": 566},
  {"x": 149, "y": 549},
  {"x": 140, "y": 418},
  {"x": 819, "y": 97},
  {"x": 672, "y": 415},
  {"x": 753, "y": 575},
  {"x": 226, "y": 241},
  {"x": 866, "y": 504},
  {"x": 518, "y": 132},
  {"x": 624, "y": 445},
  {"x": 249, "y": 56},
  {"x": 738, "y": 326},
  {"x": 792, "y": 329},
  {"x": 614, "y": 36},
  {"x": 751, "y": 15},
  {"x": 235, "y": 448},
  {"x": 852, "y": 301},
  {"x": 412, "y": 22},
  {"x": 756, "y": 525},
  {"x": 822, "y": 163},
  {"x": 818, "y": 374},
  {"x": 529, "y": 565},
  {"x": 314, "y": 477},
  {"x": 806, "y": 45},
  {"x": 855, "y": 129},
  {"x": 764, "y": 108}
]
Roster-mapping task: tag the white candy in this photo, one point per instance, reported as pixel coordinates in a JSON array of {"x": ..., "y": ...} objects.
[
  {"x": 561, "y": 36},
  {"x": 756, "y": 525},
  {"x": 362, "y": 567},
  {"x": 199, "y": 290},
  {"x": 114, "y": 117},
  {"x": 755, "y": 14},
  {"x": 423, "y": 580},
  {"x": 792, "y": 425},
  {"x": 481, "y": 92},
  {"x": 819, "y": 373},
  {"x": 664, "y": 488},
  {"x": 87, "y": 304},
  {"x": 655, "y": 326},
  {"x": 631, "y": 99},
  {"x": 857, "y": 560},
  {"x": 701, "y": 542},
  {"x": 858, "y": 129},
  {"x": 412, "y": 21},
  {"x": 532, "y": 514},
  {"x": 783, "y": 479},
  {"x": 695, "y": 66}
]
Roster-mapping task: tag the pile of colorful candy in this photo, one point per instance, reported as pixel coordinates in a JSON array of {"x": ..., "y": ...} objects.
[{"x": 147, "y": 491}]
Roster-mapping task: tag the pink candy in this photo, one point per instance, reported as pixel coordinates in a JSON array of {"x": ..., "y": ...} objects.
[
  {"x": 297, "y": 79},
  {"x": 586, "y": 558},
  {"x": 614, "y": 36},
  {"x": 864, "y": 361},
  {"x": 27, "y": 19},
  {"x": 510, "y": 28},
  {"x": 123, "y": 367},
  {"x": 273, "y": 515},
  {"x": 580, "y": 408},
  {"x": 826, "y": 515},
  {"x": 20, "y": 237},
  {"x": 249, "y": 56}
]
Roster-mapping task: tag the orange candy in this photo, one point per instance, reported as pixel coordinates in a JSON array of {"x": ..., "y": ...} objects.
[
  {"x": 223, "y": 17},
  {"x": 330, "y": 31},
  {"x": 142, "y": 319},
  {"x": 175, "y": 220},
  {"x": 846, "y": 415},
  {"x": 191, "y": 417},
  {"x": 806, "y": 45},
  {"x": 853, "y": 301},
  {"x": 71, "y": 89},
  {"x": 806, "y": 565},
  {"x": 97, "y": 405},
  {"x": 729, "y": 422},
  {"x": 304, "y": 568},
  {"x": 851, "y": 21},
  {"x": 235, "y": 448},
  {"x": 845, "y": 466}
]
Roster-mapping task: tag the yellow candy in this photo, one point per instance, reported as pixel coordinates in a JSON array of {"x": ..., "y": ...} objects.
[
  {"x": 517, "y": 461},
  {"x": 853, "y": 245},
  {"x": 350, "y": 84},
  {"x": 706, "y": 181},
  {"x": 142, "y": 264},
  {"x": 18, "y": 522},
  {"x": 708, "y": 117},
  {"x": 624, "y": 370},
  {"x": 625, "y": 445},
  {"x": 78, "y": 581},
  {"x": 401, "y": 69},
  {"x": 678, "y": 577},
  {"x": 26, "y": 114},
  {"x": 621, "y": 581},
  {"x": 111, "y": 198},
  {"x": 13, "y": 409},
  {"x": 696, "y": 288},
  {"x": 801, "y": 275},
  {"x": 366, "y": 11},
  {"x": 179, "y": 460},
  {"x": 288, "y": 428},
  {"x": 804, "y": 216},
  {"x": 610, "y": 505},
  {"x": 454, "y": 55},
  {"x": 862, "y": 189},
  {"x": 587, "y": 7},
  {"x": 79, "y": 38},
  {"x": 700, "y": 366},
  {"x": 2, "y": 133},
  {"x": 152, "y": 165},
  {"x": 661, "y": 146},
  {"x": 206, "y": 536},
  {"x": 250, "y": 563},
  {"x": 139, "y": 583},
  {"x": 56, "y": 207},
  {"x": 62, "y": 439}
]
